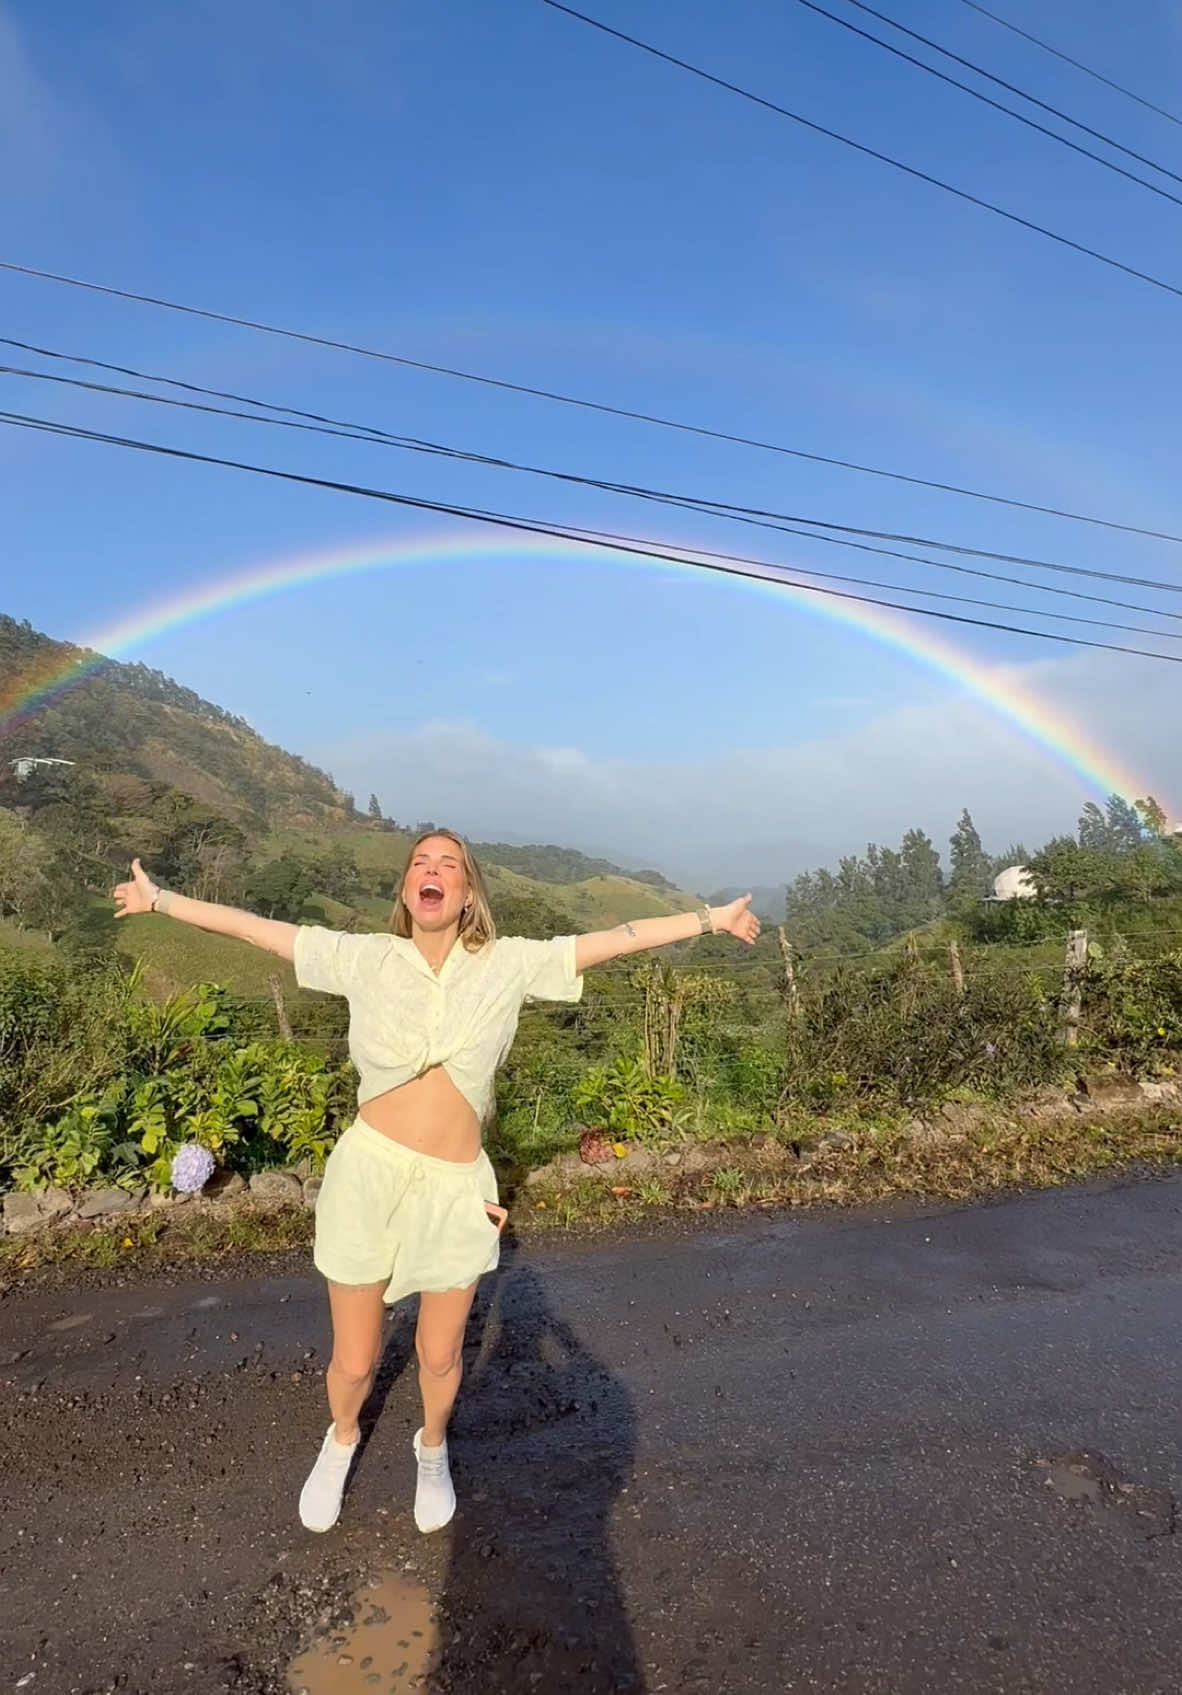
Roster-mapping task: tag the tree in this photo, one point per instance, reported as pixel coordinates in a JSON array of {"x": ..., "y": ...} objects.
[
  {"x": 921, "y": 869},
  {"x": 334, "y": 873},
  {"x": 1093, "y": 829},
  {"x": 1016, "y": 854},
  {"x": 1065, "y": 871},
  {"x": 38, "y": 889},
  {"x": 375, "y": 809},
  {"x": 968, "y": 859},
  {"x": 1153, "y": 819},
  {"x": 280, "y": 888},
  {"x": 204, "y": 856},
  {"x": 1124, "y": 826}
]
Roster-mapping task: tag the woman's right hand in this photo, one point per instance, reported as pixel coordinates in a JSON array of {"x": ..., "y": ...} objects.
[{"x": 136, "y": 896}]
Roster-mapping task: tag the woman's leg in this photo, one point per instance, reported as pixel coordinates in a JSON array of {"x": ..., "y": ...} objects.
[
  {"x": 356, "y": 1348},
  {"x": 356, "y": 1344},
  {"x": 439, "y": 1343}
]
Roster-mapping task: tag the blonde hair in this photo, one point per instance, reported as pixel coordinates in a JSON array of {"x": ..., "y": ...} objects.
[{"x": 477, "y": 928}]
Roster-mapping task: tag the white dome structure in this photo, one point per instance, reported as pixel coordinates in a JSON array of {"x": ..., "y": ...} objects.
[{"x": 1014, "y": 883}]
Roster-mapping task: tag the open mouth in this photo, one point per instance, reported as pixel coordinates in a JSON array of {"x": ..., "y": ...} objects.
[{"x": 431, "y": 896}]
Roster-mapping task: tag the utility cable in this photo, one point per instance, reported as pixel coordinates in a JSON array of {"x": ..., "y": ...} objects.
[
  {"x": 988, "y": 100},
  {"x": 1077, "y": 63},
  {"x": 581, "y": 402},
  {"x": 604, "y": 540},
  {"x": 1012, "y": 88},
  {"x": 867, "y": 151},
  {"x": 759, "y": 517}
]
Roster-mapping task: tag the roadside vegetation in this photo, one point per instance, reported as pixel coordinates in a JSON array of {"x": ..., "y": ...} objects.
[{"x": 819, "y": 1067}]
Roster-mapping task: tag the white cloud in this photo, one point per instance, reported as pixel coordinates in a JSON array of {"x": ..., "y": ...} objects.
[
  {"x": 761, "y": 815},
  {"x": 61, "y": 144},
  {"x": 27, "y": 117}
]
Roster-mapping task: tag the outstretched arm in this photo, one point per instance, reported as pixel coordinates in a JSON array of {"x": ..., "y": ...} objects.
[
  {"x": 598, "y": 946},
  {"x": 141, "y": 894}
]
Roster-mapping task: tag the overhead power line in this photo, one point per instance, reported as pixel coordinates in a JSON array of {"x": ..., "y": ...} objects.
[
  {"x": 760, "y": 517},
  {"x": 866, "y": 151},
  {"x": 829, "y": 576},
  {"x": 988, "y": 100},
  {"x": 1012, "y": 88},
  {"x": 603, "y": 540},
  {"x": 371, "y": 434},
  {"x": 1077, "y": 63},
  {"x": 581, "y": 402}
]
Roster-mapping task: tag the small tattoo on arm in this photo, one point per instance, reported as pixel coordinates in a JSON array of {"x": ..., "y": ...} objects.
[{"x": 628, "y": 930}]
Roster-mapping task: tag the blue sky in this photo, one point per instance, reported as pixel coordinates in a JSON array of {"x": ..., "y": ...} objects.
[{"x": 501, "y": 189}]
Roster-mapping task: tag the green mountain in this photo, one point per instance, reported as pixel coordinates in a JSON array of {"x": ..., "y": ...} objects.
[
  {"x": 136, "y": 722},
  {"x": 137, "y": 764}
]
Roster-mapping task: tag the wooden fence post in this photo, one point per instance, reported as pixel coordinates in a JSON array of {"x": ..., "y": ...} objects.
[
  {"x": 957, "y": 967},
  {"x": 791, "y": 992},
  {"x": 1074, "y": 968},
  {"x": 281, "y": 1017}
]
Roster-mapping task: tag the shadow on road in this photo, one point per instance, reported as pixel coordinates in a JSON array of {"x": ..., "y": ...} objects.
[{"x": 544, "y": 1438}]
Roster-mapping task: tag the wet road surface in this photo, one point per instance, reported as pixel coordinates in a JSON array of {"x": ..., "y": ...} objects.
[{"x": 894, "y": 1456}]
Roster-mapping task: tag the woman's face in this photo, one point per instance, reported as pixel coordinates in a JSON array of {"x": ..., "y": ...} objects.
[{"x": 435, "y": 887}]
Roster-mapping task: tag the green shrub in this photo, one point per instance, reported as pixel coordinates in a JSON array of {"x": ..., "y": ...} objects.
[
  {"x": 904, "y": 1035},
  {"x": 1133, "y": 1007},
  {"x": 184, "y": 1075},
  {"x": 62, "y": 1032},
  {"x": 624, "y": 1099}
]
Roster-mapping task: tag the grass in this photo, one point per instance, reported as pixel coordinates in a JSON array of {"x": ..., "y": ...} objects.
[
  {"x": 885, "y": 1162},
  {"x": 29, "y": 941},
  {"x": 182, "y": 1235},
  {"x": 176, "y": 956}
]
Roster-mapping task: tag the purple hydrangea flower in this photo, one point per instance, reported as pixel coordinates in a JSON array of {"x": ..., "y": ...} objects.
[{"x": 192, "y": 1168}]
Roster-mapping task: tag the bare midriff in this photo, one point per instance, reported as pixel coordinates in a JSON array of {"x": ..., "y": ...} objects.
[{"x": 428, "y": 1114}]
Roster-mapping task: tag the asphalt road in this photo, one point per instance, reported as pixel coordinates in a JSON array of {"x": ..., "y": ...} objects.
[{"x": 910, "y": 1456}]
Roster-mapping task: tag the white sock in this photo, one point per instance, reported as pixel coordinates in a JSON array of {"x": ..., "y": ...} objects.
[
  {"x": 435, "y": 1498},
  {"x": 320, "y": 1498}
]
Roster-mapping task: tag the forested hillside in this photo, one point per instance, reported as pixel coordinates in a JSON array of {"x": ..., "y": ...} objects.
[
  {"x": 129, "y": 721},
  {"x": 152, "y": 769}
]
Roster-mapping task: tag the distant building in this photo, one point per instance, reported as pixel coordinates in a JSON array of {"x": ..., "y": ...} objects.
[
  {"x": 1014, "y": 883},
  {"x": 25, "y": 767}
]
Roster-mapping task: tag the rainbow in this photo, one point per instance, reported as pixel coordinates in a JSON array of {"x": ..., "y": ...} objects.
[{"x": 995, "y": 687}]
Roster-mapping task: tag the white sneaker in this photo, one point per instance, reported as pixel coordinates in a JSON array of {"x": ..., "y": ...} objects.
[
  {"x": 435, "y": 1499},
  {"x": 320, "y": 1498}
]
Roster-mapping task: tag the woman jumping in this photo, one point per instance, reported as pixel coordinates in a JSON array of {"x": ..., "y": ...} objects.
[{"x": 409, "y": 1199}]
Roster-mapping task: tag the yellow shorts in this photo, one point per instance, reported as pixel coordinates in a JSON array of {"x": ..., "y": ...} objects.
[{"x": 386, "y": 1214}]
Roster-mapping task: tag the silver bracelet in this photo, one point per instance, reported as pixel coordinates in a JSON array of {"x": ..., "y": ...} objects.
[
  {"x": 162, "y": 900},
  {"x": 706, "y": 920}
]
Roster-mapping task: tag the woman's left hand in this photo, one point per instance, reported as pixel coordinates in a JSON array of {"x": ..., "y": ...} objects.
[{"x": 737, "y": 919}]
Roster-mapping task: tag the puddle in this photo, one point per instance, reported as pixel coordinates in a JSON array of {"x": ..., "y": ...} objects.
[
  {"x": 1140, "y": 1508},
  {"x": 387, "y": 1649},
  {"x": 1072, "y": 1481}
]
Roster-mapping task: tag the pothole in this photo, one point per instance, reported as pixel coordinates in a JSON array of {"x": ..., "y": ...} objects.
[
  {"x": 1072, "y": 1480},
  {"x": 388, "y": 1648},
  {"x": 1090, "y": 1478}
]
